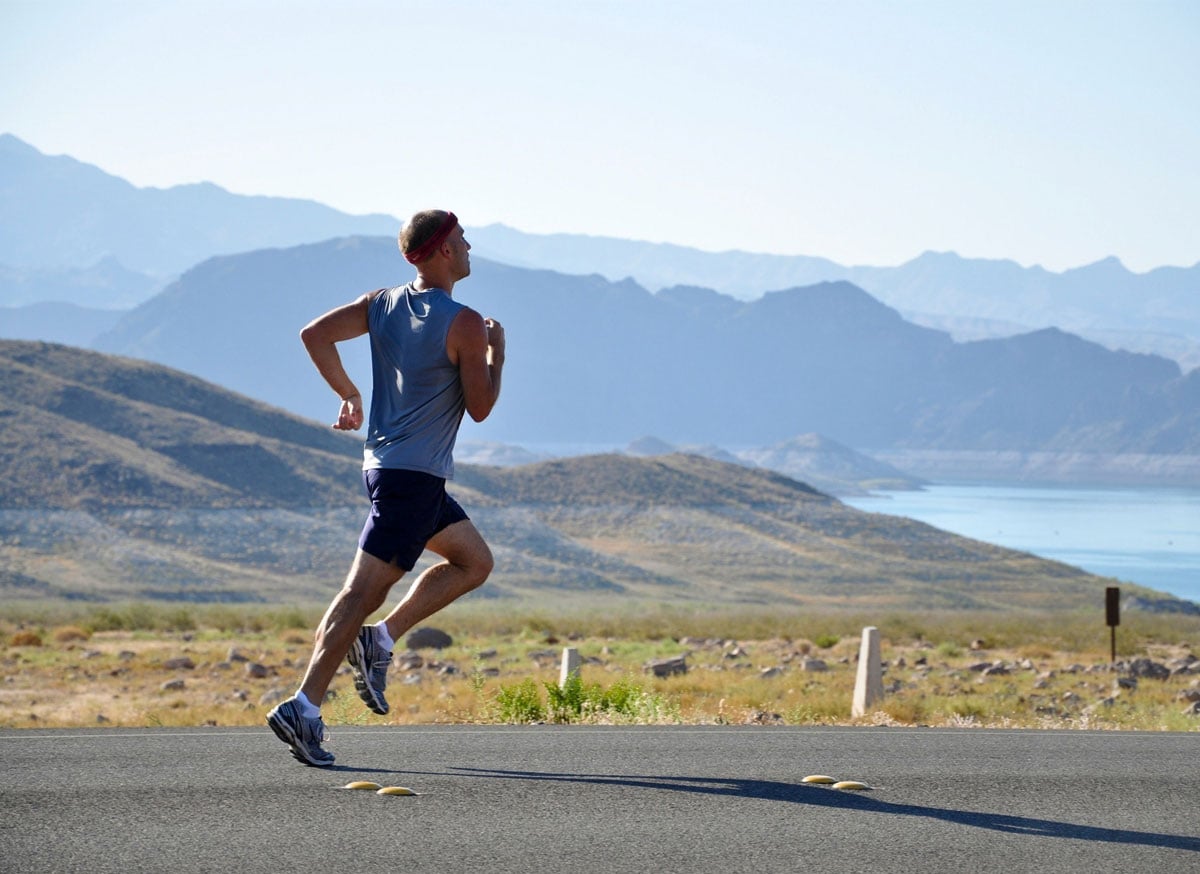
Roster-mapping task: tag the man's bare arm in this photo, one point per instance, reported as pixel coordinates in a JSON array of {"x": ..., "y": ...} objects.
[
  {"x": 476, "y": 345},
  {"x": 320, "y": 337}
]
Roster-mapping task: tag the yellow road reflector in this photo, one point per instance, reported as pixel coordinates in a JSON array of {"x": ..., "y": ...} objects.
[
  {"x": 850, "y": 784},
  {"x": 395, "y": 790},
  {"x": 361, "y": 784},
  {"x": 818, "y": 778}
]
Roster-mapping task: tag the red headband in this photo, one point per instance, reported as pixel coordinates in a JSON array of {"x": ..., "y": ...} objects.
[{"x": 423, "y": 251}]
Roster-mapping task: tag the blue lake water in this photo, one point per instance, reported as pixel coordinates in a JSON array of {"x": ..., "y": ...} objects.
[{"x": 1139, "y": 535}]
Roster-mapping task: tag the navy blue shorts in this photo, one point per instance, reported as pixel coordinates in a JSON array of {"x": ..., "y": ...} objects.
[{"x": 407, "y": 509}]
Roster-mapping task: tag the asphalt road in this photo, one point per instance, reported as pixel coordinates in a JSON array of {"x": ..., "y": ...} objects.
[{"x": 582, "y": 799}]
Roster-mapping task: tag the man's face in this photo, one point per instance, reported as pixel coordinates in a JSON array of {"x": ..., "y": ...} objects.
[{"x": 460, "y": 249}]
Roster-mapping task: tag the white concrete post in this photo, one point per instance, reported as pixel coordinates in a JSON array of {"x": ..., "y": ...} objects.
[
  {"x": 868, "y": 686},
  {"x": 570, "y": 665}
]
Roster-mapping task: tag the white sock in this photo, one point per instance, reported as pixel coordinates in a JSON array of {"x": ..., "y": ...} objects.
[
  {"x": 385, "y": 639},
  {"x": 307, "y": 708}
]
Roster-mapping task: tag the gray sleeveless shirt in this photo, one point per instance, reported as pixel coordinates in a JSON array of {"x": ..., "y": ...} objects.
[{"x": 417, "y": 399}]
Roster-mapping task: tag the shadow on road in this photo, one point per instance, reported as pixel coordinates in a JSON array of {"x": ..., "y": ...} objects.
[{"x": 803, "y": 793}]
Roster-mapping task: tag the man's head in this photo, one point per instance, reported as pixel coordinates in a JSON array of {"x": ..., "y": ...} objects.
[
  {"x": 424, "y": 234},
  {"x": 433, "y": 241}
]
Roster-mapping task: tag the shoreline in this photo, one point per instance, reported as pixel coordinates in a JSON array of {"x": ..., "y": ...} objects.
[
  {"x": 1034, "y": 468},
  {"x": 1136, "y": 535}
]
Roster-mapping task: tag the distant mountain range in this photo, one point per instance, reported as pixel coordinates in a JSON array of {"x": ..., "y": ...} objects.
[
  {"x": 127, "y": 480},
  {"x": 1156, "y": 312},
  {"x": 597, "y": 361},
  {"x": 57, "y": 212},
  {"x": 71, "y": 233},
  {"x": 593, "y": 361}
]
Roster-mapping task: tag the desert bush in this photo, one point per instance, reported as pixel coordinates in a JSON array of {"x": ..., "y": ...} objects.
[
  {"x": 519, "y": 703},
  {"x": 575, "y": 701},
  {"x": 25, "y": 638},
  {"x": 70, "y": 633},
  {"x": 291, "y": 619},
  {"x": 908, "y": 710},
  {"x": 104, "y": 619},
  {"x": 135, "y": 616},
  {"x": 626, "y": 697},
  {"x": 180, "y": 619},
  {"x": 566, "y": 702},
  {"x": 949, "y": 650}
]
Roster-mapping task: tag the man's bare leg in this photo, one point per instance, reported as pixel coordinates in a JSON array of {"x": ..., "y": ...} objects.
[
  {"x": 468, "y": 562},
  {"x": 366, "y": 587}
]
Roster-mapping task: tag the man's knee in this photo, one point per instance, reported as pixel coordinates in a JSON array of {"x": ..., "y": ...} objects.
[
  {"x": 480, "y": 566},
  {"x": 462, "y": 546},
  {"x": 369, "y": 580},
  {"x": 474, "y": 564}
]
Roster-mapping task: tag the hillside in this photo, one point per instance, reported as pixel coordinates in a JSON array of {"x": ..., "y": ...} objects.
[
  {"x": 84, "y": 430},
  {"x": 127, "y": 480},
  {"x": 829, "y": 466}
]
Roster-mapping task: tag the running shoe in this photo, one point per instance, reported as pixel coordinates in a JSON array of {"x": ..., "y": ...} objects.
[
  {"x": 370, "y": 662},
  {"x": 303, "y": 734}
]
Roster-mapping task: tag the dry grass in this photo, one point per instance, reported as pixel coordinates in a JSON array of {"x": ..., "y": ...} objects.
[{"x": 69, "y": 666}]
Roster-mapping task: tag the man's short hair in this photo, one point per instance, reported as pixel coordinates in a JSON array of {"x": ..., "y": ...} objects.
[{"x": 420, "y": 229}]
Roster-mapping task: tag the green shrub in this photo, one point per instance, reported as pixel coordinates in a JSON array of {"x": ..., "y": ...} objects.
[
  {"x": 105, "y": 619},
  {"x": 624, "y": 697},
  {"x": 140, "y": 616},
  {"x": 520, "y": 703},
  {"x": 575, "y": 701},
  {"x": 180, "y": 619},
  {"x": 292, "y": 619},
  {"x": 623, "y": 700},
  {"x": 566, "y": 702},
  {"x": 949, "y": 650}
]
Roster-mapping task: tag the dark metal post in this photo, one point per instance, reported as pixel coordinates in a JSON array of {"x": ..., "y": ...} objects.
[{"x": 1112, "y": 613}]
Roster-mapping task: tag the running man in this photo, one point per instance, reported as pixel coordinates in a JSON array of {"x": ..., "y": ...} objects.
[{"x": 432, "y": 360}]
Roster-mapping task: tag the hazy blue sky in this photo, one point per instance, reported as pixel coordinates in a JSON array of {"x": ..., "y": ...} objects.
[{"x": 1052, "y": 132}]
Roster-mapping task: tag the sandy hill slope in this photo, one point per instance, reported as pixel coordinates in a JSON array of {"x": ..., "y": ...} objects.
[
  {"x": 83, "y": 429},
  {"x": 127, "y": 480}
]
